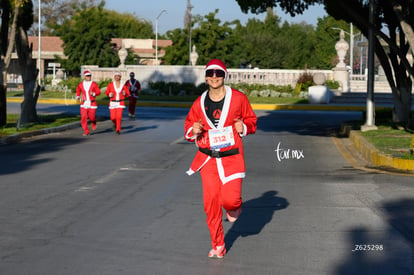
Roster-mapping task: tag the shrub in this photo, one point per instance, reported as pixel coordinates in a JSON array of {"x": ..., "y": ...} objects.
[
  {"x": 104, "y": 83},
  {"x": 304, "y": 81},
  {"x": 72, "y": 83},
  {"x": 332, "y": 84}
]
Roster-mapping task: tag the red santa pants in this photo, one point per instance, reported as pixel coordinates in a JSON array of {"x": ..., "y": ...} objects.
[
  {"x": 131, "y": 105},
  {"x": 85, "y": 114},
  {"x": 215, "y": 196},
  {"x": 116, "y": 117}
]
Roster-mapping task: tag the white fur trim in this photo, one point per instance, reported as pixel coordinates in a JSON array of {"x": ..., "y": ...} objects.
[
  {"x": 222, "y": 176},
  {"x": 188, "y": 132},
  {"x": 190, "y": 172}
]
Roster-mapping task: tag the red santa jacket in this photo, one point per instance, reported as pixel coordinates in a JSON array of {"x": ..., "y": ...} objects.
[
  {"x": 133, "y": 86},
  {"x": 236, "y": 106},
  {"x": 88, "y": 97},
  {"x": 118, "y": 98}
]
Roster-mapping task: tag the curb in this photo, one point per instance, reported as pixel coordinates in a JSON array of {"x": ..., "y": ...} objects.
[
  {"x": 255, "y": 106},
  {"x": 17, "y": 137},
  {"x": 378, "y": 159}
]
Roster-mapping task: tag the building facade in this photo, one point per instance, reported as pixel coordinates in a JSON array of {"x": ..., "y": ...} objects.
[{"x": 52, "y": 47}]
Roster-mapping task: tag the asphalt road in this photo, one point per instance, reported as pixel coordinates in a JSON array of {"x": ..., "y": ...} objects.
[{"x": 108, "y": 204}]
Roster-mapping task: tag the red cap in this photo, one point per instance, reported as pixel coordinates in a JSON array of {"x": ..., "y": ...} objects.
[
  {"x": 86, "y": 73},
  {"x": 131, "y": 74},
  {"x": 216, "y": 64}
]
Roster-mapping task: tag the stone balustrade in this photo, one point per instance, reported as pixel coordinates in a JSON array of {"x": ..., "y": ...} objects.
[{"x": 195, "y": 74}]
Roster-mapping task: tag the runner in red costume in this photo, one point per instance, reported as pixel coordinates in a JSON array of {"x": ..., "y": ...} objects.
[
  {"x": 117, "y": 93},
  {"x": 217, "y": 122},
  {"x": 134, "y": 86},
  {"x": 86, "y": 92}
]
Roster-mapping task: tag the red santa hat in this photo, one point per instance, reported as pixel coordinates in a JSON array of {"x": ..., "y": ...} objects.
[
  {"x": 86, "y": 73},
  {"x": 131, "y": 74},
  {"x": 216, "y": 64}
]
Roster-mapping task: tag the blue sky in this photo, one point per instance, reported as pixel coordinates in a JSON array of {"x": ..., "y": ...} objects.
[{"x": 174, "y": 17}]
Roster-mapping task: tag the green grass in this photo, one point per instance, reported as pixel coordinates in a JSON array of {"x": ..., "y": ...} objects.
[
  {"x": 45, "y": 121},
  {"x": 277, "y": 100},
  {"x": 391, "y": 141},
  {"x": 390, "y": 138}
]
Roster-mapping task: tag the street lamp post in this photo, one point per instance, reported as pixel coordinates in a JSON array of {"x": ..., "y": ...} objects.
[
  {"x": 39, "y": 45},
  {"x": 156, "y": 37}
]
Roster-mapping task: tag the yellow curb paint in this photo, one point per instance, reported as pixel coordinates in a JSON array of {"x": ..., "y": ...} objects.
[{"x": 378, "y": 159}]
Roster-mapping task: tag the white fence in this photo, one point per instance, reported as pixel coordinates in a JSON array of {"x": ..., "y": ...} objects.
[
  {"x": 195, "y": 74},
  {"x": 275, "y": 77}
]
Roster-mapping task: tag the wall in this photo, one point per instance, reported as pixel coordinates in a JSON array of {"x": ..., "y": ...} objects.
[{"x": 195, "y": 74}]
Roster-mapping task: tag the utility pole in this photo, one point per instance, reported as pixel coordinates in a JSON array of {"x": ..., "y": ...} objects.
[
  {"x": 187, "y": 22},
  {"x": 156, "y": 37},
  {"x": 39, "y": 62},
  {"x": 370, "y": 116}
]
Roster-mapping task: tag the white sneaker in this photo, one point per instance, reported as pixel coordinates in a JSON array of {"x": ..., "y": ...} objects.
[
  {"x": 218, "y": 252},
  {"x": 232, "y": 216}
]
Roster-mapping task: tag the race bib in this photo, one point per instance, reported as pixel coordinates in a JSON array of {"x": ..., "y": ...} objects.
[
  {"x": 113, "y": 104},
  {"x": 221, "y": 138}
]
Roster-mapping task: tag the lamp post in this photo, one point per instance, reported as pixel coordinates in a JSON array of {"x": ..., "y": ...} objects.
[
  {"x": 156, "y": 37},
  {"x": 188, "y": 21},
  {"x": 39, "y": 45}
]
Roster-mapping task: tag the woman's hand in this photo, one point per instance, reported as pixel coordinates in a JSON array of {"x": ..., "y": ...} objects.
[
  {"x": 238, "y": 125},
  {"x": 198, "y": 127}
]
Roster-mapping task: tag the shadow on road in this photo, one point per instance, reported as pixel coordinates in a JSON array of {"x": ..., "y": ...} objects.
[
  {"x": 25, "y": 156},
  {"x": 370, "y": 253},
  {"x": 310, "y": 123},
  {"x": 256, "y": 213}
]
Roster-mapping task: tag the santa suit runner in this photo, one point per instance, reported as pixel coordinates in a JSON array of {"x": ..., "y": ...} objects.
[
  {"x": 86, "y": 90},
  {"x": 117, "y": 99},
  {"x": 223, "y": 137},
  {"x": 133, "y": 87}
]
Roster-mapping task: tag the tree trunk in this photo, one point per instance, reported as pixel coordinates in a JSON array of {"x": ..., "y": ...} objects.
[
  {"x": 6, "y": 48},
  {"x": 402, "y": 106},
  {"x": 3, "y": 105},
  {"x": 29, "y": 74}
]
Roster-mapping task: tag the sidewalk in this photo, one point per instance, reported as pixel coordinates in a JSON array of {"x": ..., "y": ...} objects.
[{"x": 374, "y": 158}]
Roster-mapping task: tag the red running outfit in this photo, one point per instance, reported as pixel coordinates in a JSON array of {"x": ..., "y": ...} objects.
[
  {"x": 87, "y": 91},
  {"x": 134, "y": 86},
  {"x": 221, "y": 176},
  {"x": 117, "y": 103}
]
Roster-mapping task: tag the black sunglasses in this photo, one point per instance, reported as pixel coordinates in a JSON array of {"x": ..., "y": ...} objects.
[{"x": 219, "y": 73}]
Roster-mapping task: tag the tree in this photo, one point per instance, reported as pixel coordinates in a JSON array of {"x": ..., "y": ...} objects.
[
  {"x": 27, "y": 65},
  {"x": 87, "y": 36},
  {"x": 21, "y": 13},
  {"x": 259, "y": 44},
  {"x": 5, "y": 49},
  {"x": 394, "y": 38},
  {"x": 326, "y": 35},
  {"x": 209, "y": 36},
  {"x": 55, "y": 12},
  {"x": 177, "y": 53}
]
